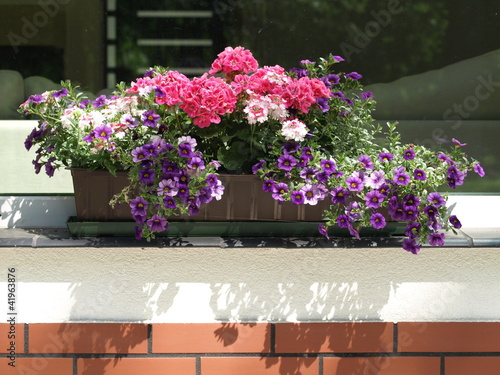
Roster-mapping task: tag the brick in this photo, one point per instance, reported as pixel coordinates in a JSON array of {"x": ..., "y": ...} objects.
[
  {"x": 334, "y": 337},
  {"x": 472, "y": 365},
  {"x": 259, "y": 366},
  {"x": 211, "y": 338},
  {"x": 5, "y": 332},
  {"x": 38, "y": 366},
  {"x": 88, "y": 338},
  {"x": 134, "y": 366},
  {"x": 382, "y": 366},
  {"x": 449, "y": 337}
]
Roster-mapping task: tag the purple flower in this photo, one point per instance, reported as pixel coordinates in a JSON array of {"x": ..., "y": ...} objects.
[
  {"x": 138, "y": 233},
  {"x": 308, "y": 173},
  {"x": 182, "y": 178},
  {"x": 401, "y": 179},
  {"x": 307, "y": 62},
  {"x": 169, "y": 168},
  {"x": 376, "y": 179},
  {"x": 409, "y": 154},
  {"x": 183, "y": 191},
  {"x": 342, "y": 221},
  {"x": 279, "y": 190},
  {"x": 36, "y": 99},
  {"x": 185, "y": 150},
  {"x": 311, "y": 194},
  {"x": 412, "y": 229},
  {"x": 60, "y": 93},
  {"x": 147, "y": 175},
  {"x": 411, "y": 246},
  {"x": 212, "y": 180},
  {"x": 99, "y": 102},
  {"x": 377, "y": 221},
  {"x": 167, "y": 187},
  {"x": 205, "y": 195},
  {"x": 338, "y": 94},
  {"x": 354, "y": 183},
  {"x": 103, "y": 131},
  {"x": 455, "y": 222},
  {"x": 354, "y": 76},
  {"x": 290, "y": 147},
  {"x": 444, "y": 158},
  {"x": 373, "y": 199},
  {"x": 328, "y": 166},
  {"x": 307, "y": 153},
  {"x": 196, "y": 163},
  {"x": 323, "y": 230},
  {"x": 330, "y": 80},
  {"x": 353, "y": 231},
  {"x": 384, "y": 190},
  {"x": 458, "y": 143},
  {"x": 366, "y": 162},
  {"x": 348, "y": 101},
  {"x": 323, "y": 104},
  {"x": 479, "y": 170},
  {"x": 436, "y": 199},
  {"x": 297, "y": 197},
  {"x": 339, "y": 195},
  {"x": 130, "y": 121},
  {"x": 157, "y": 223},
  {"x": 410, "y": 213},
  {"x": 169, "y": 202},
  {"x": 419, "y": 174},
  {"x": 385, "y": 157},
  {"x": 411, "y": 200},
  {"x": 431, "y": 211},
  {"x": 139, "y": 154},
  {"x": 299, "y": 73},
  {"x": 139, "y": 206},
  {"x": 436, "y": 239},
  {"x": 286, "y": 162},
  {"x": 150, "y": 118},
  {"x": 268, "y": 186},
  {"x": 338, "y": 58},
  {"x": 367, "y": 95},
  {"x": 258, "y": 166}
]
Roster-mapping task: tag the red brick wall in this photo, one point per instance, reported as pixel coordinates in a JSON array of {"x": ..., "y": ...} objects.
[{"x": 458, "y": 348}]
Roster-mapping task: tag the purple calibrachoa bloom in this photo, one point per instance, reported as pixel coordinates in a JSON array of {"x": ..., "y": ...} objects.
[
  {"x": 374, "y": 199},
  {"x": 342, "y": 221},
  {"x": 385, "y": 157},
  {"x": 410, "y": 245},
  {"x": 100, "y": 101},
  {"x": 411, "y": 200},
  {"x": 401, "y": 179},
  {"x": 366, "y": 161},
  {"x": 185, "y": 150},
  {"x": 330, "y": 80},
  {"x": 139, "y": 154},
  {"x": 167, "y": 187},
  {"x": 354, "y": 183},
  {"x": 376, "y": 179},
  {"x": 297, "y": 197},
  {"x": 169, "y": 168},
  {"x": 338, "y": 94},
  {"x": 196, "y": 163},
  {"x": 279, "y": 190},
  {"x": 130, "y": 121},
  {"x": 268, "y": 186},
  {"x": 286, "y": 162},
  {"x": 311, "y": 194},
  {"x": 212, "y": 180},
  {"x": 307, "y": 153},
  {"x": 103, "y": 131},
  {"x": 147, "y": 175},
  {"x": 436, "y": 239},
  {"x": 36, "y": 99},
  {"x": 139, "y": 206},
  {"x": 431, "y": 211},
  {"x": 290, "y": 147},
  {"x": 384, "y": 190},
  {"x": 205, "y": 195},
  {"x": 60, "y": 93},
  {"x": 436, "y": 199},
  {"x": 150, "y": 118},
  {"x": 323, "y": 230},
  {"x": 377, "y": 221},
  {"x": 258, "y": 166},
  {"x": 157, "y": 223},
  {"x": 339, "y": 195},
  {"x": 328, "y": 166},
  {"x": 409, "y": 154},
  {"x": 308, "y": 173},
  {"x": 367, "y": 95},
  {"x": 444, "y": 158},
  {"x": 455, "y": 222},
  {"x": 138, "y": 233},
  {"x": 458, "y": 143},
  {"x": 419, "y": 174},
  {"x": 169, "y": 202},
  {"x": 479, "y": 170},
  {"x": 412, "y": 229},
  {"x": 354, "y": 76},
  {"x": 410, "y": 213}
]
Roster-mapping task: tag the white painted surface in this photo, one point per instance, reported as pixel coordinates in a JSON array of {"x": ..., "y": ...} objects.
[{"x": 253, "y": 284}]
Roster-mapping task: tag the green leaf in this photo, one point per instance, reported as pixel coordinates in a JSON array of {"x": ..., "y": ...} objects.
[{"x": 234, "y": 157}]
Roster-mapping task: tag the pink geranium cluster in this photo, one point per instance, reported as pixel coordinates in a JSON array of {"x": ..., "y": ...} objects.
[{"x": 234, "y": 61}]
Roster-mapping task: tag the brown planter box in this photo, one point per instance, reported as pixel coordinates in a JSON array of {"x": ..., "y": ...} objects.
[{"x": 243, "y": 200}]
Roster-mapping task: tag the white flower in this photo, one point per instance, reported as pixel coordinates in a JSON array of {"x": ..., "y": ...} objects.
[{"x": 294, "y": 130}]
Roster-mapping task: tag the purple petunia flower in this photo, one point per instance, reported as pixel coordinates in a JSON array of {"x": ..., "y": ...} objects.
[
  {"x": 311, "y": 194},
  {"x": 338, "y": 94},
  {"x": 348, "y": 101},
  {"x": 431, "y": 211},
  {"x": 279, "y": 190},
  {"x": 384, "y": 190},
  {"x": 479, "y": 170},
  {"x": 307, "y": 153},
  {"x": 297, "y": 197},
  {"x": 185, "y": 150},
  {"x": 139, "y": 154},
  {"x": 138, "y": 233},
  {"x": 299, "y": 73},
  {"x": 409, "y": 154},
  {"x": 323, "y": 230},
  {"x": 376, "y": 179},
  {"x": 412, "y": 229},
  {"x": 339, "y": 195},
  {"x": 455, "y": 222},
  {"x": 130, "y": 121},
  {"x": 458, "y": 143},
  {"x": 268, "y": 186},
  {"x": 169, "y": 202},
  {"x": 401, "y": 178},
  {"x": 354, "y": 183},
  {"x": 410, "y": 245},
  {"x": 212, "y": 180},
  {"x": 410, "y": 213},
  {"x": 157, "y": 223},
  {"x": 366, "y": 162},
  {"x": 167, "y": 187},
  {"x": 367, "y": 95},
  {"x": 342, "y": 221},
  {"x": 323, "y": 104},
  {"x": 36, "y": 99},
  {"x": 377, "y": 221},
  {"x": 60, "y": 93},
  {"x": 258, "y": 166},
  {"x": 436, "y": 199},
  {"x": 436, "y": 239},
  {"x": 444, "y": 158},
  {"x": 139, "y": 206},
  {"x": 374, "y": 199},
  {"x": 196, "y": 163},
  {"x": 330, "y": 80},
  {"x": 99, "y": 102},
  {"x": 328, "y": 166},
  {"x": 205, "y": 195},
  {"x": 150, "y": 118},
  {"x": 147, "y": 175},
  {"x": 286, "y": 162},
  {"x": 290, "y": 147},
  {"x": 419, "y": 174},
  {"x": 103, "y": 131},
  {"x": 411, "y": 200},
  {"x": 354, "y": 76},
  {"x": 385, "y": 157},
  {"x": 308, "y": 173}
]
